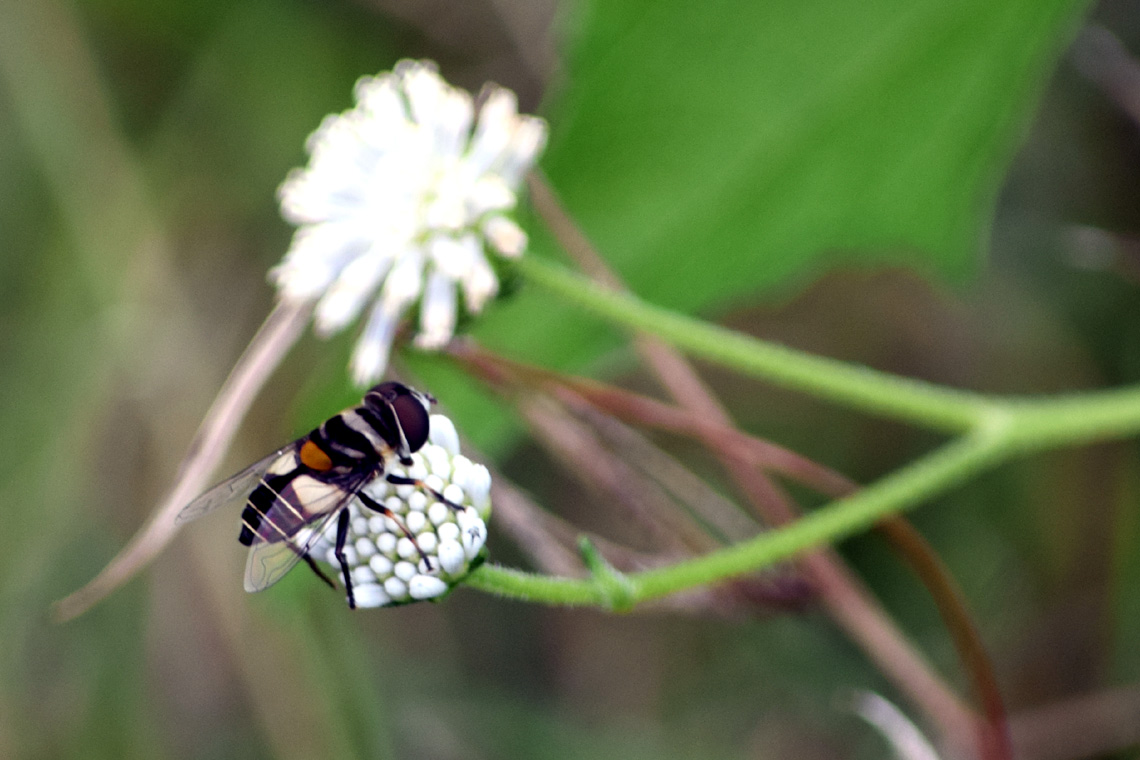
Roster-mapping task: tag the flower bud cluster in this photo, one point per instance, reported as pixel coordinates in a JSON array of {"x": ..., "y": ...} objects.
[{"x": 387, "y": 565}]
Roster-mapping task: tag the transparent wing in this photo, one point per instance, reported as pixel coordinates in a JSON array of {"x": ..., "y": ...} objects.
[
  {"x": 268, "y": 561},
  {"x": 271, "y": 558},
  {"x": 233, "y": 489}
]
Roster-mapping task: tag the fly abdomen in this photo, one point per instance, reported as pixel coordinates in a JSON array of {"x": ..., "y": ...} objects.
[
  {"x": 267, "y": 514},
  {"x": 343, "y": 443}
]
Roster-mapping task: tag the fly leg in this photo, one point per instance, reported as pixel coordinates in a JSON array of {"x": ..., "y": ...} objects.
[
  {"x": 400, "y": 480},
  {"x": 341, "y": 537},
  {"x": 320, "y": 573},
  {"x": 376, "y": 506}
]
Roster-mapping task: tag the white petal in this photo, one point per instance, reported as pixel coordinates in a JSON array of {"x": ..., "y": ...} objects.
[
  {"x": 362, "y": 574},
  {"x": 425, "y": 587},
  {"x": 438, "y": 514},
  {"x": 386, "y": 544},
  {"x": 474, "y": 532},
  {"x": 437, "y": 312},
  {"x": 453, "y": 257},
  {"x": 444, "y": 435},
  {"x": 418, "y": 470},
  {"x": 380, "y": 101},
  {"x": 344, "y": 300},
  {"x": 494, "y": 126},
  {"x": 405, "y": 281},
  {"x": 527, "y": 142},
  {"x": 505, "y": 236},
  {"x": 448, "y": 531},
  {"x": 490, "y": 193},
  {"x": 424, "y": 88},
  {"x": 447, "y": 208},
  {"x": 378, "y": 490},
  {"x": 314, "y": 259},
  {"x": 479, "y": 488},
  {"x": 479, "y": 285},
  {"x": 451, "y": 557},
  {"x": 370, "y": 595},
  {"x": 404, "y": 570},
  {"x": 406, "y": 548},
  {"x": 380, "y": 565},
  {"x": 454, "y": 494},
  {"x": 370, "y": 358},
  {"x": 417, "y": 502},
  {"x": 364, "y": 548},
  {"x": 460, "y": 470},
  {"x": 454, "y": 127},
  {"x": 415, "y": 522},
  {"x": 428, "y": 542},
  {"x": 396, "y": 589},
  {"x": 437, "y": 458}
]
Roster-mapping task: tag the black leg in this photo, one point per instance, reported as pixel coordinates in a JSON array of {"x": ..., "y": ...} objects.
[
  {"x": 341, "y": 536},
  {"x": 320, "y": 573},
  {"x": 400, "y": 480},
  {"x": 376, "y": 506}
]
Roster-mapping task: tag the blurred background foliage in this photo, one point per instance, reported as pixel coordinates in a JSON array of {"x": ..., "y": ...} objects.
[{"x": 931, "y": 188}]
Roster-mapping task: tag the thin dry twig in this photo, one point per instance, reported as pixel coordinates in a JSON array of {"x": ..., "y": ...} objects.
[
  {"x": 682, "y": 483},
  {"x": 579, "y": 449},
  {"x": 1090, "y": 725},
  {"x": 268, "y": 347}
]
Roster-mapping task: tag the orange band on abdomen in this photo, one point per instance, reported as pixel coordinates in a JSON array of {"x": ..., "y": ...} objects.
[{"x": 314, "y": 458}]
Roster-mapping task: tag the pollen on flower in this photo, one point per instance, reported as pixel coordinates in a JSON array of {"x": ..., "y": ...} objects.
[{"x": 404, "y": 199}]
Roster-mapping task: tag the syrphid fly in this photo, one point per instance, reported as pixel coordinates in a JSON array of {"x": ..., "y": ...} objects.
[{"x": 294, "y": 495}]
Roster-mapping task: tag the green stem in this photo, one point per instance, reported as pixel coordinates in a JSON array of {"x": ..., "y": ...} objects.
[
  {"x": 532, "y": 587},
  {"x": 906, "y": 488},
  {"x": 1035, "y": 423},
  {"x": 861, "y": 387},
  {"x": 1075, "y": 419}
]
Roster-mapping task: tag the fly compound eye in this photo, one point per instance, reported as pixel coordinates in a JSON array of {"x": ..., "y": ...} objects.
[
  {"x": 413, "y": 419},
  {"x": 384, "y": 393}
]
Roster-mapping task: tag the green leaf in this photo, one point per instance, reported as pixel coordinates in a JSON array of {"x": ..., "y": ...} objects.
[
  {"x": 714, "y": 152},
  {"x": 714, "y": 149}
]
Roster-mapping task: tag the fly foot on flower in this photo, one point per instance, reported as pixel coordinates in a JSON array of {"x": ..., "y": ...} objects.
[
  {"x": 403, "y": 199},
  {"x": 424, "y": 546}
]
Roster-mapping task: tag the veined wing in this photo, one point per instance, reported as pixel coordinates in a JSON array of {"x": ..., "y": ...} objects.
[
  {"x": 269, "y": 561},
  {"x": 293, "y": 524},
  {"x": 234, "y": 489}
]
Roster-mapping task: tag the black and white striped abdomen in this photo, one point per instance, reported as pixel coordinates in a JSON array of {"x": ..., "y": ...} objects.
[{"x": 351, "y": 438}]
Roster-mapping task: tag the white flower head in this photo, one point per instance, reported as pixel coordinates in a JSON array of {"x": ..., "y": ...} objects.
[
  {"x": 403, "y": 199},
  {"x": 387, "y": 565}
]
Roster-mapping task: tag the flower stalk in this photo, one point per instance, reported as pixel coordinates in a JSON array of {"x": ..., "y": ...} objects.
[{"x": 906, "y": 488}]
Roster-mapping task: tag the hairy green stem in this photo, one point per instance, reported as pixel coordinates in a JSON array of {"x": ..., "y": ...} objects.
[
  {"x": 1036, "y": 423},
  {"x": 861, "y": 387},
  {"x": 906, "y": 488}
]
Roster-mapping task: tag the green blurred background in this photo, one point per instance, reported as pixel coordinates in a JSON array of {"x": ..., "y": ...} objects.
[{"x": 932, "y": 188}]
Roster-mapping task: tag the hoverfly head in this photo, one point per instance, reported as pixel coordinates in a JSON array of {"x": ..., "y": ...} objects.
[{"x": 406, "y": 411}]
